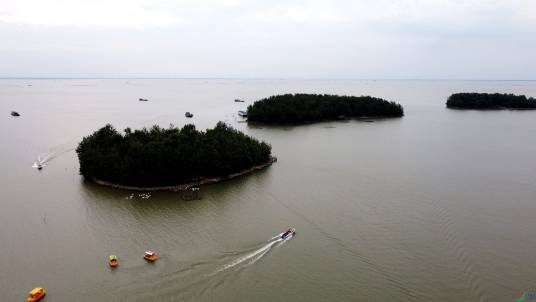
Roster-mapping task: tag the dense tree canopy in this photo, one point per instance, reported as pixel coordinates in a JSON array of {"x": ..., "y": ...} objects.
[
  {"x": 160, "y": 157},
  {"x": 489, "y": 101},
  {"x": 300, "y": 108}
]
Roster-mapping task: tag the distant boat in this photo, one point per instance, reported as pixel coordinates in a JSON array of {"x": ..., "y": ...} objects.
[
  {"x": 238, "y": 101},
  {"x": 243, "y": 113},
  {"x": 289, "y": 232},
  {"x": 191, "y": 193},
  {"x": 36, "y": 294},
  {"x": 150, "y": 256},
  {"x": 113, "y": 261},
  {"x": 188, "y": 115},
  {"x": 142, "y": 100},
  {"x": 39, "y": 166},
  {"x": 14, "y": 113}
]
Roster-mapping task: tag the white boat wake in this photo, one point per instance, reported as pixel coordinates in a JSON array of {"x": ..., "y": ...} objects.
[
  {"x": 256, "y": 255},
  {"x": 44, "y": 158},
  {"x": 189, "y": 282},
  {"x": 276, "y": 236}
]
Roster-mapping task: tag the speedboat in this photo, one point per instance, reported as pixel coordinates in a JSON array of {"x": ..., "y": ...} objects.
[
  {"x": 150, "y": 256},
  {"x": 14, "y": 113},
  {"x": 238, "y": 100},
  {"x": 289, "y": 232},
  {"x": 113, "y": 260},
  {"x": 39, "y": 166},
  {"x": 243, "y": 113},
  {"x": 142, "y": 100},
  {"x": 36, "y": 294},
  {"x": 188, "y": 114}
]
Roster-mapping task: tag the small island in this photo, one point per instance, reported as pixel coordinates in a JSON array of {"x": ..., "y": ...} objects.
[
  {"x": 169, "y": 159},
  {"x": 490, "y": 101},
  {"x": 304, "y": 108}
]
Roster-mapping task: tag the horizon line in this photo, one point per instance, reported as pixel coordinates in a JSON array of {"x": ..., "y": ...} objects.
[{"x": 258, "y": 78}]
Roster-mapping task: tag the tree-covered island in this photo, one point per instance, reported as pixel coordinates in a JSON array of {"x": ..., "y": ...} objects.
[
  {"x": 490, "y": 101},
  {"x": 303, "y": 108},
  {"x": 159, "y": 157}
]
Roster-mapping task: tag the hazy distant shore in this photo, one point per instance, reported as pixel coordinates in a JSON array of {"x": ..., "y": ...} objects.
[
  {"x": 487, "y": 101},
  {"x": 185, "y": 186}
]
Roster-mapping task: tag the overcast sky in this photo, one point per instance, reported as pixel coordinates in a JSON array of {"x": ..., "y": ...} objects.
[{"x": 364, "y": 39}]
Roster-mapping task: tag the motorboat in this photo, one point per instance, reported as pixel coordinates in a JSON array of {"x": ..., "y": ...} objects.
[
  {"x": 188, "y": 115},
  {"x": 113, "y": 260},
  {"x": 39, "y": 167},
  {"x": 150, "y": 256},
  {"x": 239, "y": 100},
  {"x": 36, "y": 294},
  {"x": 288, "y": 233},
  {"x": 143, "y": 100},
  {"x": 14, "y": 113},
  {"x": 243, "y": 113}
]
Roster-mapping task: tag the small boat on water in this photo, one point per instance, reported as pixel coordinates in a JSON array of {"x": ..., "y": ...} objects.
[
  {"x": 243, "y": 113},
  {"x": 239, "y": 100},
  {"x": 39, "y": 167},
  {"x": 36, "y": 294},
  {"x": 188, "y": 115},
  {"x": 113, "y": 260},
  {"x": 150, "y": 256},
  {"x": 143, "y": 100},
  {"x": 288, "y": 233},
  {"x": 14, "y": 113}
]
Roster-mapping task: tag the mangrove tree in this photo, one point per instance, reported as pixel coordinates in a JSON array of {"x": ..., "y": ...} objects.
[
  {"x": 490, "y": 101},
  {"x": 302, "y": 108},
  {"x": 168, "y": 156}
]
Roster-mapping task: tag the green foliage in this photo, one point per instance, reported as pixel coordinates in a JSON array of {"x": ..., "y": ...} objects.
[
  {"x": 160, "y": 157},
  {"x": 301, "y": 108},
  {"x": 489, "y": 101}
]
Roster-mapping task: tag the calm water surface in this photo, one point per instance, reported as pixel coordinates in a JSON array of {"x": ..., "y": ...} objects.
[{"x": 439, "y": 205}]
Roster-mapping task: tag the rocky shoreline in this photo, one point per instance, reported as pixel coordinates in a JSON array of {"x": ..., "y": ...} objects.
[{"x": 184, "y": 187}]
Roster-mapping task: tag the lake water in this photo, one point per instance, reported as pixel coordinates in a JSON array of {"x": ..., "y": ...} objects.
[{"x": 439, "y": 205}]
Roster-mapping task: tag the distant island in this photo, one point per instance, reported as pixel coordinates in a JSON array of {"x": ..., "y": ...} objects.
[
  {"x": 490, "y": 101},
  {"x": 303, "y": 108},
  {"x": 169, "y": 159}
]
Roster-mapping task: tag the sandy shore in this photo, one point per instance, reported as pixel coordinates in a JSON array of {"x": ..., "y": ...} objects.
[{"x": 183, "y": 187}]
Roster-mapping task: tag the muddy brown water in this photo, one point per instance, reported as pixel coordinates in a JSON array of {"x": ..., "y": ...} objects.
[{"x": 439, "y": 205}]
